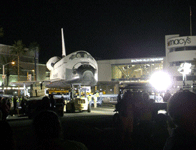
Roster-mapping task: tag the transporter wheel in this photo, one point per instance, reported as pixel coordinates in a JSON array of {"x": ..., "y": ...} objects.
[
  {"x": 117, "y": 121},
  {"x": 62, "y": 114},
  {"x": 89, "y": 108},
  {"x": 72, "y": 108},
  {"x": 67, "y": 109}
]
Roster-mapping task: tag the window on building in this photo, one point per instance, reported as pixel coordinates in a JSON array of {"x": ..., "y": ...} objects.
[
  {"x": 134, "y": 71},
  {"x": 185, "y": 48}
]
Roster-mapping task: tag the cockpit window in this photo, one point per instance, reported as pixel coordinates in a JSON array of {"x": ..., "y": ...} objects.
[
  {"x": 78, "y": 55},
  {"x": 85, "y": 56},
  {"x": 81, "y": 55},
  {"x": 72, "y": 57}
]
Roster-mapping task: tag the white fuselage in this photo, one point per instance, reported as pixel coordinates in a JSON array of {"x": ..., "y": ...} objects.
[{"x": 75, "y": 67}]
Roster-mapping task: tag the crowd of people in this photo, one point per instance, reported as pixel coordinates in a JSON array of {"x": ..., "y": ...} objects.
[
  {"x": 5, "y": 106},
  {"x": 172, "y": 131},
  {"x": 46, "y": 126},
  {"x": 10, "y": 106}
]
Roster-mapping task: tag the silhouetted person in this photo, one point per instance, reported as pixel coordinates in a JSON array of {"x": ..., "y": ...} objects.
[
  {"x": 182, "y": 110},
  {"x": 15, "y": 103},
  {"x": 144, "y": 112},
  {"x": 45, "y": 104},
  {"x": 167, "y": 96},
  {"x": 145, "y": 108},
  {"x": 119, "y": 98},
  {"x": 1, "y": 114},
  {"x": 126, "y": 112},
  {"x": 23, "y": 104},
  {"x": 6, "y": 142},
  {"x": 160, "y": 132},
  {"x": 52, "y": 101},
  {"x": 5, "y": 108},
  {"x": 9, "y": 102},
  {"x": 47, "y": 128}
]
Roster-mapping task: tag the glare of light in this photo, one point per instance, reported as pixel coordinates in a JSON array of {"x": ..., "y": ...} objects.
[
  {"x": 185, "y": 68},
  {"x": 160, "y": 80},
  {"x": 162, "y": 112}
]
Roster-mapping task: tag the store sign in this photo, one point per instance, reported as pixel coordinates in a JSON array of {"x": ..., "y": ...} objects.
[
  {"x": 183, "y": 41},
  {"x": 147, "y": 60}
]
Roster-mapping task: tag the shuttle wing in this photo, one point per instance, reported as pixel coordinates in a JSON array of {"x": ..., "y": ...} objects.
[
  {"x": 22, "y": 83},
  {"x": 58, "y": 84},
  {"x": 87, "y": 79}
]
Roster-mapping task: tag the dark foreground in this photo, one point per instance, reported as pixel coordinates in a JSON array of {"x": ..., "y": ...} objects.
[{"x": 97, "y": 132}]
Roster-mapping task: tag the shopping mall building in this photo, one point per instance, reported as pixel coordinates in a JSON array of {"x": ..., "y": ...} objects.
[
  {"x": 178, "y": 50},
  {"x": 116, "y": 72}
]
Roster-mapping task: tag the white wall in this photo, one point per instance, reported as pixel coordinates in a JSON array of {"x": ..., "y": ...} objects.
[
  {"x": 177, "y": 41},
  {"x": 104, "y": 70}
]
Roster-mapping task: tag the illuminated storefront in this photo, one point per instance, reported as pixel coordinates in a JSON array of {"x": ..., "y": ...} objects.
[
  {"x": 118, "y": 71},
  {"x": 136, "y": 70}
]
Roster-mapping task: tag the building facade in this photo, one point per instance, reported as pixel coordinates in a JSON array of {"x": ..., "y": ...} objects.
[
  {"x": 179, "y": 50},
  {"x": 27, "y": 68},
  {"x": 113, "y": 72}
]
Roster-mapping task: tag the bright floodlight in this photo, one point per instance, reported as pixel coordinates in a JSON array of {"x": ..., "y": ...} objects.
[
  {"x": 184, "y": 69},
  {"x": 160, "y": 80}
]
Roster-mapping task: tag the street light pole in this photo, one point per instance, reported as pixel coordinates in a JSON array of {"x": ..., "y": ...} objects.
[{"x": 3, "y": 75}]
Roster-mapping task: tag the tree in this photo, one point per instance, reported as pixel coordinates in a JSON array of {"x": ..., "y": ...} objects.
[
  {"x": 34, "y": 46},
  {"x": 18, "y": 49}
]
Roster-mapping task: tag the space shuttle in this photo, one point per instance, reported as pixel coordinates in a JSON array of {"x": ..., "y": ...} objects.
[{"x": 77, "y": 68}]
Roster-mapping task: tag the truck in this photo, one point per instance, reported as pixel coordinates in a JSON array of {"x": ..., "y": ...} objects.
[{"x": 75, "y": 99}]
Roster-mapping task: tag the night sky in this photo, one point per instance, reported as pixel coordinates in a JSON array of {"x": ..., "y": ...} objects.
[{"x": 108, "y": 29}]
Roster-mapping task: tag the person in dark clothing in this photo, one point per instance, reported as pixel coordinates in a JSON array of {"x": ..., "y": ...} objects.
[
  {"x": 119, "y": 98},
  {"x": 126, "y": 112},
  {"x": 47, "y": 128},
  {"x": 45, "y": 104},
  {"x": 167, "y": 96},
  {"x": 52, "y": 101},
  {"x": 7, "y": 141},
  {"x": 160, "y": 132},
  {"x": 8, "y": 102},
  {"x": 15, "y": 103},
  {"x": 5, "y": 108},
  {"x": 23, "y": 105},
  {"x": 182, "y": 110}
]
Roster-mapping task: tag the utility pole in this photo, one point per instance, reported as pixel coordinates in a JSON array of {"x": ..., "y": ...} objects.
[{"x": 190, "y": 22}]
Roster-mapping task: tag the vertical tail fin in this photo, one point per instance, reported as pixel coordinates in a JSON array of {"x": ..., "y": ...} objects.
[{"x": 63, "y": 44}]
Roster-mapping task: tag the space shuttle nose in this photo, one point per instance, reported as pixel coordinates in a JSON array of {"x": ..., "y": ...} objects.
[
  {"x": 88, "y": 78},
  {"x": 87, "y": 75}
]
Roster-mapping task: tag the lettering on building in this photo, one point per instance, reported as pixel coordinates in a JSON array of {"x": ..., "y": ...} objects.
[{"x": 179, "y": 41}]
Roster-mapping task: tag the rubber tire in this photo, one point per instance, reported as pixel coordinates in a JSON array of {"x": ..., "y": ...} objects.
[
  {"x": 89, "y": 108},
  {"x": 116, "y": 120},
  {"x": 72, "y": 108}
]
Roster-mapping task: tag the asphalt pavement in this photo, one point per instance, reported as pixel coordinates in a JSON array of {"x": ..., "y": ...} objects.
[{"x": 96, "y": 130}]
